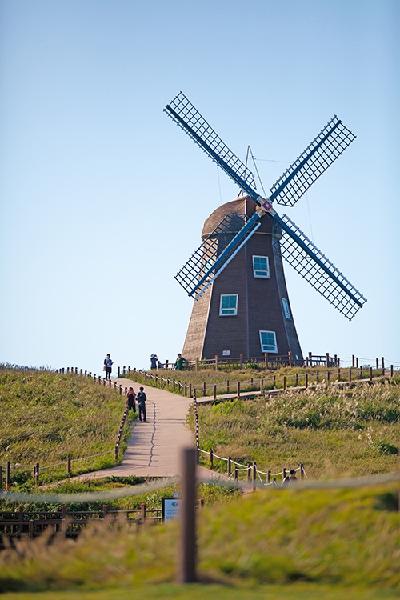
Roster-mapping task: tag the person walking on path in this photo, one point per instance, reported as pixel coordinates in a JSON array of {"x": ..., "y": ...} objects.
[
  {"x": 131, "y": 399},
  {"x": 108, "y": 363},
  {"x": 141, "y": 400}
]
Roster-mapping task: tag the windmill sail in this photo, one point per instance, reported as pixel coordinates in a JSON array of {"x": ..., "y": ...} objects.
[
  {"x": 214, "y": 254},
  {"x": 318, "y": 270},
  {"x": 329, "y": 144},
  {"x": 182, "y": 111}
]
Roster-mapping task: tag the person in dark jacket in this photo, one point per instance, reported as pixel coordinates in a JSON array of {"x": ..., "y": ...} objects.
[
  {"x": 131, "y": 399},
  {"x": 108, "y": 363},
  {"x": 141, "y": 400},
  {"x": 180, "y": 363}
]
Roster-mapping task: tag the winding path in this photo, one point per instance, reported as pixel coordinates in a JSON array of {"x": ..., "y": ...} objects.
[{"x": 154, "y": 447}]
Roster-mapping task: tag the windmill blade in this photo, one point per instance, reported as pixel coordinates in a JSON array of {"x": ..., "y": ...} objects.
[
  {"x": 182, "y": 111},
  {"x": 317, "y": 269},
  {"x": 316, "y": 158},
  {"x": 213, "y": 255}
]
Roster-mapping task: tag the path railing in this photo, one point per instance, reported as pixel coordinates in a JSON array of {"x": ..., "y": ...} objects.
[{"x": 301, "y": 380}]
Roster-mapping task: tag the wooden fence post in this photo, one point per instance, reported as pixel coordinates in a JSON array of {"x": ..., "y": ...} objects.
[
  {"x": 391, "y": 371},
  {"x": 196, "y": 423},
  {"x": 238, "y": 389},
  {"x": 350, "y": 374},
  {"x": 297, "y": 380},
  {"x": 284, "y": 382},
  {"x": 8, "y": 475},
  {"x": 204, "y": 388},
  {"x": 306, "y": 381},
  {"x": 352, "y": 360},
  {"x": 211, "y": 458},
  {"x": 216, "y": 362},
  {"x": 227, "y": 386},
  {"x": 338, "y": 374},
  {"x": 69, "y": 469},
  {"x": 120, "y": 390},
  {"x": 301, "y": 471},
  {"x": 254, "y": 475},
  {"x": 119, "y": 371},
  {"x": 248, "y": 472},
  {"x": 370, "y": 374},
  {"x": 116, "y": 451},
  {"x": 229, "y": 466},
  {"x": 274, "y": 381},
  {"x": 215, "y": 391},
  {"x": 383, "y": 364},
  {"x": 36, "y": 473},
  {"x": 268, "y": 476},
  {"x": 327, "y": 359},
  {"x": 357, "y": 362},
  {"x": 236, "y": 473},
  {"x": 283, "y": 473},
  {"x": 143, "y": 512},
  {"x": 190, "y": 391},
  {"x": 188, "y": 544},
  {"x": 328, "y": 377},
  {"x": 376, "y": 363}
]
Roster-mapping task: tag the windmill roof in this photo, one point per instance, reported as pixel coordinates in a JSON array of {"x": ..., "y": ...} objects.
[{"x": 240, "y": 206}]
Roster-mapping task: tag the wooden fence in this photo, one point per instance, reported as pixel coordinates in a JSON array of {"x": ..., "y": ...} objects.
[
  {"x": 70, "y": 523},
  {"x": 296, "y": 381}
]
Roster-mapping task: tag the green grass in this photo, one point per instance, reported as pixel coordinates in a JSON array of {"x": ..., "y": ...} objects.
[
  {"x": 334, "y": 433},
  {"x": 48, "y": 417},
  {"x": 281, "y": 538},
  {"x": 219, "y": 592}
]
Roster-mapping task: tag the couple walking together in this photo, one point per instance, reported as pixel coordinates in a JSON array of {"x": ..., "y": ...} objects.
[{"x": 141, "y": 400}]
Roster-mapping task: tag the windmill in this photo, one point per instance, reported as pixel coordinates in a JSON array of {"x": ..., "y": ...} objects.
[{"x": 237, "y": 270}]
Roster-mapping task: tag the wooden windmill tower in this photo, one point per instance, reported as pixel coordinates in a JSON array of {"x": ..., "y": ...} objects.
[{"x": 236, "y": 275}]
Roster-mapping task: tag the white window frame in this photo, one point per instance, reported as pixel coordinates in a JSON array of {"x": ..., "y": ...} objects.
[
  {"x": 234, "y": 310},
  {"x": 261, "y": 273},
  {"x": 286, "y": 309},
  {"x": 263, "y": 348}
]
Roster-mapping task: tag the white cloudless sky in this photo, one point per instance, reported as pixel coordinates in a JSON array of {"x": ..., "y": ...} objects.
[{"x": 102, "y": 197}]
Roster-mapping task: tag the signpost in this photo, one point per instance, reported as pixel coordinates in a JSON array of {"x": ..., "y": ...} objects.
[{"x": 170, "y": 508}]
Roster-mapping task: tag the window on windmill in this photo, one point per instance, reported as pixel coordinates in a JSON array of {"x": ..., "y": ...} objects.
[
  {"x": 261, "y": 267},
  {"x": 268, "y": 341},
  {"x": 286, "y": 308},
  {"x": 228, "y": 306}
]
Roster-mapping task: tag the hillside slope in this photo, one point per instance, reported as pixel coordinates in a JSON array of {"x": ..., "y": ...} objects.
[{"x": 48, "y": 417}]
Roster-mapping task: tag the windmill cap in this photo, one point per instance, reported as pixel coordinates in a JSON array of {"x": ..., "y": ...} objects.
[{"x": 240, "y": 206}]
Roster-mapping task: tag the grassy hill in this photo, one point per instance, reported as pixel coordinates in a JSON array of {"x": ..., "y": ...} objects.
[
  {"x": 333, "y": 432},
  {"x": 302, "y": 538},
  {"x": 48, "y": 417}
]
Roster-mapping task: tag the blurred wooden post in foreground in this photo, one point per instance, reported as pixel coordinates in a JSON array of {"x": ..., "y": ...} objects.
[{"x": 188, "y": 550}]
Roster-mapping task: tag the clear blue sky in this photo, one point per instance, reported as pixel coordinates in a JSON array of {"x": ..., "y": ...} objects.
[{"x": 103, "y": 198}]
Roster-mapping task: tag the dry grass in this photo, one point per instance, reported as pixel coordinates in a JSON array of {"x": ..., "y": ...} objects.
[
  {"x": 334, "y": 433},
  {"x": 48, "y": 417}
]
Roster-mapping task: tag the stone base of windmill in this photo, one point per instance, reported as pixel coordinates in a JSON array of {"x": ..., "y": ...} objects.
[{"x": 246, "y": 311}]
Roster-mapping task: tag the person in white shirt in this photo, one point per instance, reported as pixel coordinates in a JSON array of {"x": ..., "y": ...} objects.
[{"x": 108, "y": 363}]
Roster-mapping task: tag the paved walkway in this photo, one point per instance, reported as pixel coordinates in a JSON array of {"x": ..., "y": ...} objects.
[{"x": 154, "y": 447}]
